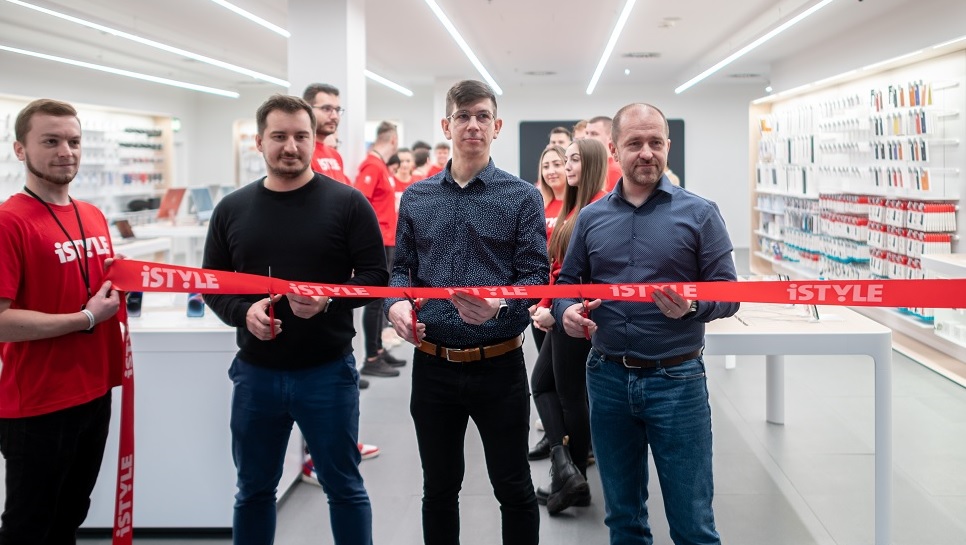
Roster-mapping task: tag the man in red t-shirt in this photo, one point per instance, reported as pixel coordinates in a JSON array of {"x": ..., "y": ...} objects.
[
  {"x": 324, "y": 100},
  {"x": 60, "y": 341},
  {"x": 376, "y": 183},
  {"x": 599, "y": 128}
]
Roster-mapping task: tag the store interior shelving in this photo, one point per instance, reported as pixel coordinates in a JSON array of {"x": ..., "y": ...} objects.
[
  {"x": 861, "y": 179},
  {"x": 126, "y": 162}
]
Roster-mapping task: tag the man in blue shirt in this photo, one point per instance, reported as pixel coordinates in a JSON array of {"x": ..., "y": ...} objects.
[
  {"x": 645, "y": 374},
  {"x": 470, "y": 225}
]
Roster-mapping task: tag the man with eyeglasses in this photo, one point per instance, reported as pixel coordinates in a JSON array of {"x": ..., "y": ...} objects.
[
  {"x": 470, "y": 225},
  {"x": 324, "y": 99}
]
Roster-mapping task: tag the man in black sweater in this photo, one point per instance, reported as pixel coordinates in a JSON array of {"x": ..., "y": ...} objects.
[{"x": 299, "y": 367}]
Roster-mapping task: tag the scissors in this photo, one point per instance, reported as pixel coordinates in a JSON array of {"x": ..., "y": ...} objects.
[
  {"x": 271, "y": 306},
  {"x": 585, "y": 312},
  {"x": 416, "y": 305}
]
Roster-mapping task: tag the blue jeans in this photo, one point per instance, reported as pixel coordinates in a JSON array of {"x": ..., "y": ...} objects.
[
  {"x": 668, "y": 410},
  {"x": 324, "y": 402},
  {"x": 494, "y": 393}
]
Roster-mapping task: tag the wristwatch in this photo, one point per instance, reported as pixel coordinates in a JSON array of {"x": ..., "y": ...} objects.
[
  {"x": 692, "y": 309},
  {"x": 502, "y": 311},
  {"x": 326, "y": 307}
]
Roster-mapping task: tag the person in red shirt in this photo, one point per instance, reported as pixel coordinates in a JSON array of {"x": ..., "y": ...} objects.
[
  {"x": 551, "y": 181},
  {"x": 599, "y": 128},
  {"x": 376, "y": 183},
  {"x": 60, "y": 341},
  {"x": 558, "y": 380},
  {"x": 441, "y": 151},
  {"x": 324, "y": 99}
]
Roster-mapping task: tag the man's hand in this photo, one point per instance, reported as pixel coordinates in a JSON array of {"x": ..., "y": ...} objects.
[
  {"x": 104, "y": 303},
  {"x": 401, "y": 318},
  {"x": 258, "y": 322},
  {"x": 305, "y": 306},
  {"x": 542, "y": 318},
  {"x": 474, "y": 310},
  {"x": 574, "y": 321},
  {"x": 670, "y": 303}
]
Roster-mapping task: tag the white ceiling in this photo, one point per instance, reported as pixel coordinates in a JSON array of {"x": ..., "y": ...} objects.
[{"x": 407, "y": 44}]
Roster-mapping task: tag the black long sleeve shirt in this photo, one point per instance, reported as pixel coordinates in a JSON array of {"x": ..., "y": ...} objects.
[{"x": 324, "y": 232}]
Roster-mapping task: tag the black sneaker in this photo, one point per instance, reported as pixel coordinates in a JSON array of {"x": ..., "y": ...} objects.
[
  {"x": 363, "y": 384},
  {"x": 391, "y": 360},
  {"x": 378, "y": 368}
]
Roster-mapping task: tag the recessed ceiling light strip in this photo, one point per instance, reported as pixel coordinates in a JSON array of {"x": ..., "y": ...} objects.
[
  {"x": 388, "y": 83},
  {"x": 609, "y": 48},
  {"x": 120, "y": 72},
  {"x": 154, "y": 44},
  {"x": 254, "y": 18},
  {"x": 748, "y": 48},
  {"x": 463, "y": 45}
]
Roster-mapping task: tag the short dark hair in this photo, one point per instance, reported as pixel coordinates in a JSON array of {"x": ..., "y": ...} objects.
[
  {"x": 419, "y": 144},
  {"x": 561, "y": 130},
  {"x": 44, "y": 106},
  {"x": 616, "y": 126},
  {"x": 601, "y": 119},
  {"x": 285, "y": 103},
  {"x": 467, "y": 92},
  {"x": 394, "y": 158},
  {"x": 421, "y": 157},
  {"x": 442, "y": 145},
  {"x": 315, "y": 88},
  {"x": 384, "y": 130}
]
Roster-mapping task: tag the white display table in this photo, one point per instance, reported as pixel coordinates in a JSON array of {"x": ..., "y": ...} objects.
[
  {"x": 184, "y": 477},
  {"x": 779, "y": 330},
  {"x": 187, "y": 241}
]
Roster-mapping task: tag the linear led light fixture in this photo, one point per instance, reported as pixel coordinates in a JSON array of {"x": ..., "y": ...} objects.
[
  {"x": 748, "y": 48},
  {"x": 254, "y": 18},
  {"x": 950, "y": 42},
  {"x": 119, "y": 72},
  {"x": 609, "y": 48},
  {"x": 463, "y": 45},
  {"x": 388, "y": 83},
  {"x": 154, "y": 44}
]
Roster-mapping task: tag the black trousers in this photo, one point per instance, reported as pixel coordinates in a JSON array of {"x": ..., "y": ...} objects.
[
  {"x": 494, "y": 393},
  {"x": 373, "y": 317},
  {"x": 559, "y": 384},
  {"x": 52, "y": 461}
]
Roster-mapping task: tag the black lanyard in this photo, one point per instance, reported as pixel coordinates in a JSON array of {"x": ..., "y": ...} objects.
[{"x": 85, "y": 269}]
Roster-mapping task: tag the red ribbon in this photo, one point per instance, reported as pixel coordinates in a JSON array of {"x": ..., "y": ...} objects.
[
  {"x": 124, "y": 497},
  {"x": 131, "y": 275}
]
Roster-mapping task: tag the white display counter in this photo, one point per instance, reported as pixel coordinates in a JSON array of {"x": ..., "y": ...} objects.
[
  {"x": 184, "y": 477},
  {"x": 776, "y": 331}
]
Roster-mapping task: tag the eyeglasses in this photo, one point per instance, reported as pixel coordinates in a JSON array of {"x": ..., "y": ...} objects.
[
  {"x": 462, "y": 118},
  {"x": 330, "y": 109}
]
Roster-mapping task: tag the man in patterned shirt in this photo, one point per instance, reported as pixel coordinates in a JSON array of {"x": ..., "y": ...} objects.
[{"x": 470, "y": 225}]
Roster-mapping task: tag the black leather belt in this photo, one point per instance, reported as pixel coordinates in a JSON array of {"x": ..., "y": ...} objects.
[{"x": 653, "y": 364}]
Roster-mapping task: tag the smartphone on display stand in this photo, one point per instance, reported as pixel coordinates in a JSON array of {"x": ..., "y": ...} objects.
[
  {"x": 196, "y": 305},
  {"x": 133, "y": 301}
]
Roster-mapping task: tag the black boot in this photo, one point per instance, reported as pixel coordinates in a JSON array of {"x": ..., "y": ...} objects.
[
  {"x": 543, "y": 493},
  {"x": 567, "y": 484},
  {"x": 541, "y": 450}
]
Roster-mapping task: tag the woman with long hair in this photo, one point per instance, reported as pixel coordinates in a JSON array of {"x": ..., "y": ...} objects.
[
  {"x": 558, "y": 381},
  {"x": 552, "y": 183}
]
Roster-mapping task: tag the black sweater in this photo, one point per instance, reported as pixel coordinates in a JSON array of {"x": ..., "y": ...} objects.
[{"x": 324, "y": 232}]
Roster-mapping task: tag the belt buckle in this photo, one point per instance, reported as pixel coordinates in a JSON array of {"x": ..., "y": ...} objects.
[
  {"x": 624, "y": 361},
  {"x": 447, "y": 349}
]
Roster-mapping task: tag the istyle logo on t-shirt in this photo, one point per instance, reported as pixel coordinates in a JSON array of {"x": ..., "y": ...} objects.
[{"x": 67, "y": 251}]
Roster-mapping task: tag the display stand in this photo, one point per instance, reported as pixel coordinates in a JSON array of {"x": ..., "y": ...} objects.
[
  {"x": 183, "y": 477},
  {"x": 776, "y": 331}
]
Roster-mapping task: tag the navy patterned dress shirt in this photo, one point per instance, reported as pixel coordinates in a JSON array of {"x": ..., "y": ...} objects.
[
  {"x": 489, "y": 233},
  {"x": 675, "y": 236}
]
